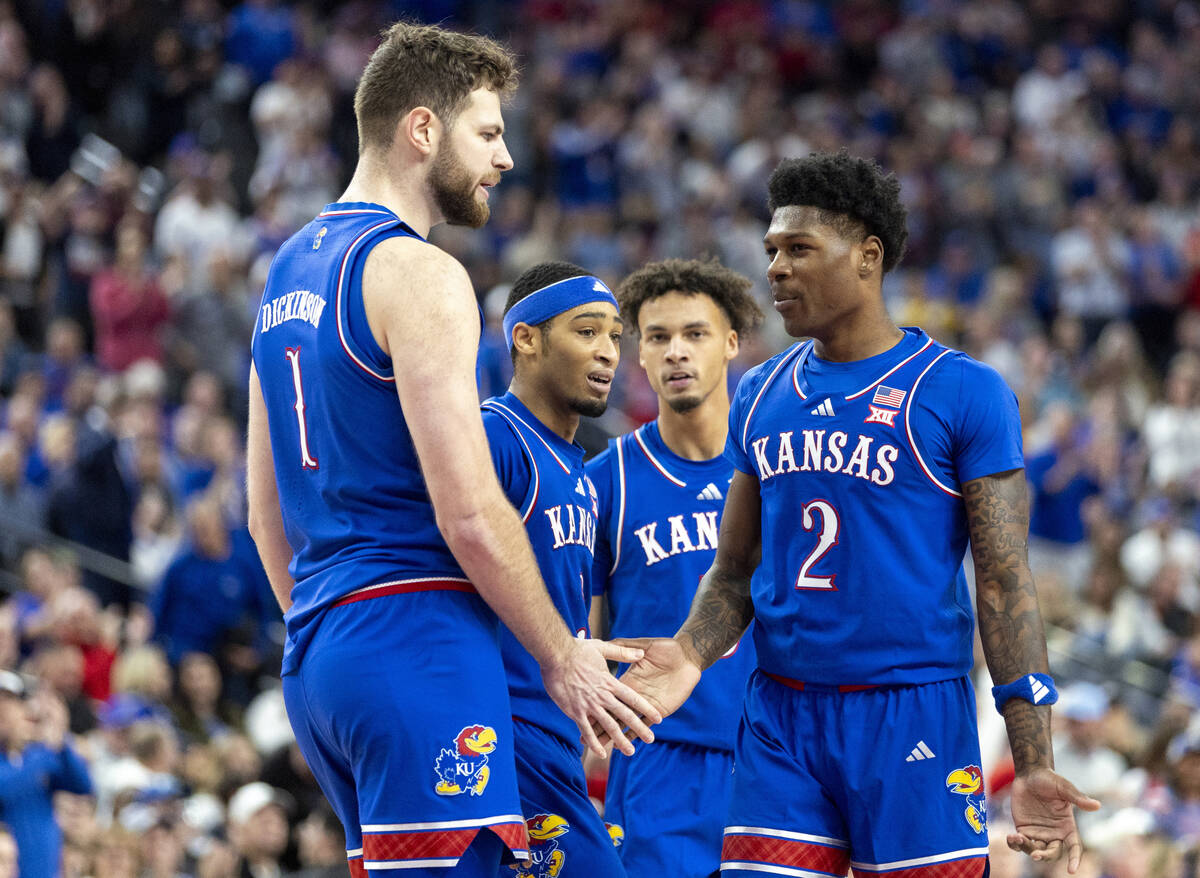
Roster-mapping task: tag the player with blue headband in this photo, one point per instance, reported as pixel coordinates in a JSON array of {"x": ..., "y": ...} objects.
[
  {"x": 553, "y": 299},
  {"x": 564, "y": 333}
]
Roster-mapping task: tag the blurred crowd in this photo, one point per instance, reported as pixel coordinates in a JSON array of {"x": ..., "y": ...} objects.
[{"x": 154, "y": 154}]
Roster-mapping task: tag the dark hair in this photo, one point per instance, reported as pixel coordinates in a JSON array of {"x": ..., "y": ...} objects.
[
  {"x": 533, "y": 279},
  {"x": 854, "y": 195},
  {"x": 423, "y": 65},
  {"x": 726, "y": 287}
]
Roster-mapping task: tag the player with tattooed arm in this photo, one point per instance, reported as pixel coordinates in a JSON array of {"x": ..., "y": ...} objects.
[{"x": 866, "y": 457}]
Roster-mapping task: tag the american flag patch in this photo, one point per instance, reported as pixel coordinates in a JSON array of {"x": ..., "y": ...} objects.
[{"x": 889, "y": 396}]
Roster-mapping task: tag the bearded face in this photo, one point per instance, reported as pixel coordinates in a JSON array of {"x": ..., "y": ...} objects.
[{"x": 454, "y": 190}]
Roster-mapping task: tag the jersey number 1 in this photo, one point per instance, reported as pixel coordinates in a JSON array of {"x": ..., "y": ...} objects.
[
  {"x": 828, "y": 538},
  {"x": 306, "y": 458}
]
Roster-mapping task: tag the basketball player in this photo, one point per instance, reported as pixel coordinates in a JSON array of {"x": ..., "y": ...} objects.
[
  {"x": 662, "y": 489},
  {"x": 866, "y": 457},
  {"x": 564, "y": 334},
  {"x": 373, "y": 500}
]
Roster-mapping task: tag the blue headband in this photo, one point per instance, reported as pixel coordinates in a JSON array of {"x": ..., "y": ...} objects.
[{"x": 540, "y": 305}]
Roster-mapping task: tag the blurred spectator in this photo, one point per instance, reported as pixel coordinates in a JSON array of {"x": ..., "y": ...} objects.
[
  {"x": 199, "y": 712},
  {"x": 1172, "y": 430},
  {"x": 1181, "y": 818},
  {"x": 1083, "y": 753},
  {"x": 90, "y": 504},
  {"x": 1062, "y": 481},
  {"x": 321, "y": 845},
  {"x": 35, "y": 761},
  {"x": 22, "y": 507},
  {"x": 129, "y": 307},
  {"x": 215, "y": 585},
  {"x": 258, "y": 828},
  {"x": 1091, "y": 261}
]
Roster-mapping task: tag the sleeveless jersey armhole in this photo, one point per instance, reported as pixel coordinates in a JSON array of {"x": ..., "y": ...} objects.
[
  {"x": 617, "y": 508},
  {"x": 357, "y": 337},
  {"x": 531, "y": 473},
  {"x": 918, "y": 423}
]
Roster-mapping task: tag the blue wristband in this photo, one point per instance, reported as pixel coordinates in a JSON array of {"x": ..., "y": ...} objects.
[{"x": 1034, "y": 688}]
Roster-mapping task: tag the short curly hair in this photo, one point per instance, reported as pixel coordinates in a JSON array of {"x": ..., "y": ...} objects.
[
  {"x": 726, "y": 287},
  {"x": 852, "y": 194}
]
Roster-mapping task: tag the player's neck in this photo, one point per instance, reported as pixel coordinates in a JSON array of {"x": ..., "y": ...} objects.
[
  {"x": 556, "y": 418},
  {"x": 699, "y": 433},
  {"x": 403, "y": 193},
  {"x": 861, "y": 336}
]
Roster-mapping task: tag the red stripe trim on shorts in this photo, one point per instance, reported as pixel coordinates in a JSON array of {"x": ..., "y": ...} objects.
[
  {"x": 785, "y": 852},
  {"x": 973, "y": 867},
  {"x": 798, "y": 685},
  {"x": 404, "y": 588},
  {"x": 440, "y": 844},
  {"x": 357, "y": 869}
]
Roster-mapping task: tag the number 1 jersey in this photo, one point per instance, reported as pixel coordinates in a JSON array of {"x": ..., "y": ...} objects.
[
  {"x": 860, "y": 468},
  {"x": 355, "y": 508}
]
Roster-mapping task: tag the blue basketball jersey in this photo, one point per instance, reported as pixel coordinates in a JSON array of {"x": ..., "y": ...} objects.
[
  {"x": 660, "y": 515},
  {"x": 542, "y": 474},
  {"x": 355, "y": 507},
  {"x": 860, "y": 467}
]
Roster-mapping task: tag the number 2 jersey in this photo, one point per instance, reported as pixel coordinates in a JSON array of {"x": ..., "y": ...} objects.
[
  {"x": 355, "y": 508},
  {"x": 659, "y": 519},
  {"x": 860, "y": 468}
]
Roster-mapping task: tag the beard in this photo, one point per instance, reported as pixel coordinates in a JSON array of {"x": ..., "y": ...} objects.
[
  {"x": 682, "y": 404},
  {"x": 589, "y": 408},
  {"x": 454, "y": 191}
]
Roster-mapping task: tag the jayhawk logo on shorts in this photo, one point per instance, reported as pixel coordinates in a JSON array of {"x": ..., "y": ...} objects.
[
  {"x": 968, "y": 782},
  {"x": 616, "y": 832},
  {"x": 465, "y": 768},
  {"x": 546, "y": 858}
]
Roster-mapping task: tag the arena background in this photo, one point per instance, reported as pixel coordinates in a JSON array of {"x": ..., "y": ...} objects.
[{"x": 154, "y": 154}]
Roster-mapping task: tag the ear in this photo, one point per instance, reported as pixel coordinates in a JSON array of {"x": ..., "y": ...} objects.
[
  {"x": 732, "y": 345},
  {"x": 421, "y": 129},
  {"x": 527, "y": 341},
  {"x": 870, "y": 256}
]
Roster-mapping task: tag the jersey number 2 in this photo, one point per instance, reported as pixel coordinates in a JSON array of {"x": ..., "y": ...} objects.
[
  {"x": 826, "y": 540},
  {"x": 306, "y": 458}
]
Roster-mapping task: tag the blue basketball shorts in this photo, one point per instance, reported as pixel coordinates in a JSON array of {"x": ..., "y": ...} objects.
[
  {"x": 881, "y": 780},
  {"x": 400, "y": 707},
  {"x": 668, "y": 803},
  {"x": 567, "y": 838}
]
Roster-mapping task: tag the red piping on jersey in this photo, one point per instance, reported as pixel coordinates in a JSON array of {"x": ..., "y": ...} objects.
[
  {"x": 620, "y": 446},
  {"x": 796, "y": 376},
  {"x": 637, "y": 434},
  {"x": 338, "y": 302},
  {"x": 408, "y": 587},
  {"x": 912, "y": 443},
  {"x": 799, "y": 685},
  {"x": 537, "y": 480},
  {"x": 750, "y": 412}
]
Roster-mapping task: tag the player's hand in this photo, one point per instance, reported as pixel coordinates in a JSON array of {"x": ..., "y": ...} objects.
[
  {"x": 1043, "y": 815},
  {"x": 664, "y": 676},
  {"x": 581, "y": 685}
]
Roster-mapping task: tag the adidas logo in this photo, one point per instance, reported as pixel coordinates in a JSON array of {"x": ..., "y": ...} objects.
[
  {"x": 579, "y": 488},
  {"x": 710, "y": 492},
  {"x": 920, "y": 753},
  {"x": 1040, "y": 690},
  {"x": 825, "y": 408},
  {"x": 599, "y": 287}
]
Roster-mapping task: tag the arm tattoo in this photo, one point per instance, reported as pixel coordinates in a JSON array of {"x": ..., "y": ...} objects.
[
  {"x": 720, "y": 613},
  {"x": 1010, "y": 623}
]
